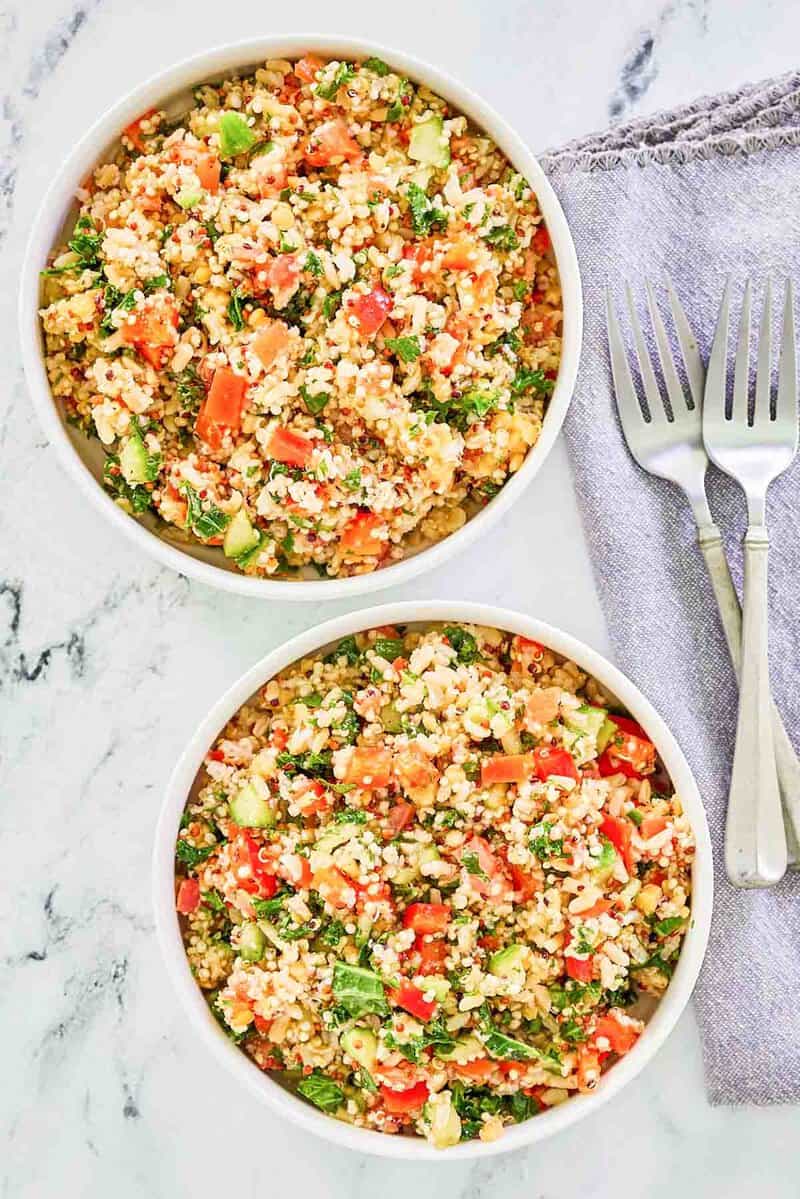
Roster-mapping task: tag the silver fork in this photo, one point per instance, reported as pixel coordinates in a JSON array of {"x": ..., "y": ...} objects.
[
  {"x": 670, "y": 444},
  {"x": 753, "y": 448}
]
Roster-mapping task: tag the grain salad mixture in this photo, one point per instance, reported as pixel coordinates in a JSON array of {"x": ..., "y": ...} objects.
[
  {"x": 314, "y": 320},
  {"x": 432, "y": 880}
]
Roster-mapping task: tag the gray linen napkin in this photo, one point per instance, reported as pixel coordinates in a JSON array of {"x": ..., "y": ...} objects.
[{"x": 706, "y": 191}]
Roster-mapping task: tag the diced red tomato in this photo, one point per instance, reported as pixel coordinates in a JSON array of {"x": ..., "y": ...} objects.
[
  {"x": 359, "y": 536},
  {"x": 371, "y": 310},
  {"x": 306, "y": 68},
  {"x": 579, "y": 968},
  {"x": 651, "y": 826},
  {"x": 621, "y": 1035},
  {"x": 478, "y": 1069},
  {"x": 618, "y": 832},
  {"x": 262, "y": 1025},
  {"x": 420, "y": 253},
  {"x": 296, "y": 870},
  {"x": 630, "y": 751},
  {"x": 188, "y": 896},
  {"x": 492, "y": 880},
  {"x": 133, "y": 132},
  {"x": 427, "y": 917},
  {"x": 152, "y": 331},
  {"x": 208, "y": 172},
  {"x": 506, "y": 768},
  {"x": 413, "y": 1001},
  {"x": 548, "y": 761},
  {"x": 225, "y": 398},
  {"x": 541, "y": 240},
  {"x": 597, "y": 909},
  {"x": 414, "y": 771},
  {"x": 283, "y": 273},
  {"x": 336, "y": 887},
  {"x": 291, "y": 448},
  {"x": 401, "y": 1103},
  {"x": 400, "y": 814},
  {"x": 252, "y": 875},
  {"x": 525, "y": 885},
  {"x": 588, "y": 1068},
  {"x": 626, "y": 725},
  {"x": 369, "y": 768},
  {"x": 331, "y": 142},
  {"x": 460, "y": 256},
  {"x": 271, "y": 339},
  {"x": 432, "y": 955}
]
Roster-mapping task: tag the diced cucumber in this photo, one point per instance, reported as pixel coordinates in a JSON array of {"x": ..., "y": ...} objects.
[
  {"x": 438, "y": 986},
  {"x": 405, "y": 875},
  {"x": 590, "y": 720},
  {"x": 428, "y": 142},
  {"x": 507, "y": 962},
  {"x": 361, "y": 1044},
  {"x": 391, "y": 719},
  {"x": 605, "y": 733},
  {"x": 428, "y": 853},
  {"x": 464, "y": 1050},
  {"x": 443, "y": 1120},
  {"x": 188, "y": 199},
  {"x": 251, "y": 943},
  {"x": 240, "y": 536},
  {"x": 135, "y": 462},
  {"x": 335, "y": 837},
  {"x": 422, "y": 177},
  {"x": 250, "y": 806},
  {"x": 604, "y": 865}
]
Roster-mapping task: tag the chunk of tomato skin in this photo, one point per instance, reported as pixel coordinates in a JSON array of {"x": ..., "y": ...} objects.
[
  {"x": 461, "y": 256},
  {"x": 336, "y": 887},
  {"x": 629, "y": 726},
  {"x": 330, "y": 142},
  {"x": 581, "y": 969},
  {"x": 291, "y": 448},
  {"x": 432, "y": 955},
  {"x": 600, "y": 908},
  {"x": 506, "y": 768},
  {"x": 283, "y": 272},
  {"x": 270, "y": 340},
  {"x": 651, "y": 826},
  {"x": 225, "y": 398},
  {"x": 478, "y": 1069},
  {"x": 359, "y": 536},
  {"x": 526, "y": 885},
  {"x": 412, "y": 1000},
  {"x": 371, "y": 310},
  {"x": 401, "y": 1103},
  {"x": 133, "y": 132},
  {"x": 618, "y": 832},
  {"x": 608, "y": 765},
  {"x": 369, "y": 768},
  {"x": 296, "y": 870},
  {"x": 427, "y": 917},
  {"x": 399, "y": 815},
  {"x": 306, "y": 68},
  {"x": 548, "y": 761},
  {"x": 620, "y": 1035},
  {"x": 209, "y": 170},
  {"x": 188, "y": 899},
  {"x": 541, "y": 240}
]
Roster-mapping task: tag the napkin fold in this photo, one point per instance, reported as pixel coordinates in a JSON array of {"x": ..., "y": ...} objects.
[{"x": 703, "y": 192}]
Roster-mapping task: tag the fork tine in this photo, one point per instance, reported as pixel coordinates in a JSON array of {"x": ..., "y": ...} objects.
[
  {"x": 763, "y": 402},
  {"x": 675, "y": 391},
  {"x": 652, "y": 394},
  {"x": 741, "y": 368},
  {"x": 716, "y": 376},
  {"x": 695, "y": 371},
  {"x": 628, "y": 406},
  {"x": 786, "y": 404}
]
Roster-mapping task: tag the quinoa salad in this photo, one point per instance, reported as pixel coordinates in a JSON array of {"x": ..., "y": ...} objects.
[
  {"x": 432, "y": 880},
  {"x": 313, "y": 321}
]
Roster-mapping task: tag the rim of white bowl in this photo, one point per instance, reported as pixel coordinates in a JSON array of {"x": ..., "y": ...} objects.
[
  {"x": 55, "y": 205},
  {"x": 239, "y": 1065}
]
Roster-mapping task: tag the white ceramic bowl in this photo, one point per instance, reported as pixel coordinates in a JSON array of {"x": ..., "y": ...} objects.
[
  {"x": 270, "y": 1092},
  {"x": 82, "y": 456}
]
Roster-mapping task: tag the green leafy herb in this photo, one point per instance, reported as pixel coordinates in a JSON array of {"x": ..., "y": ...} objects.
[
  {"x": 313, "y": 765},
  {"x": 502, "y": 237},
  {"x": 332, "y": 933},
  {"x": 347, "y": 648},
  {"x": 135, "y": 497},
  {"x": 472, "y": 866},
  {"x": 234, "y": 309},
  {"x": 520, "y": 288},
  {"x": 269, "y": 909},
  {"x": 388, "y": 648},
  {"x": 424, "y": 216},
  {"x": 205, "y": 523},
  {"x": 191, "y": 856},
  {"x": 314, "y": 403},
  {"x": 527, "y": 380},
  {"x": 498, "y": 1045},
  {"x": 407, "y": 349},
  {"x": 471, "y": 1104},
  {"x": 665, "y": 928},
  {"x": 115, "y": 301},
  {"x": 541, "y": 843},
  {"x": 213, "y": 900},
  {"x": 212, "y": 232},
  {"x": 341, "y": 76},
  {"x": 522, "y": 1106},
  {"x": 358, "y": 990},
  {"x": 313, "y": 264},
  {"x": 350, "y": 816},
  {"x": 581, "y": 996},
  {"x": 322, "y": 1091},
  {"x": 376, "y": 65},
  {"x": 189, "y": 388},
  {"x": 331, "y": 304},
  {"x": 464, "y": 644},
  {"x": 364, "y": 1081}
]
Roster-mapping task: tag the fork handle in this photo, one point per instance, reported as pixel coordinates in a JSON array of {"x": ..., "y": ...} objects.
[
  {"x": 755, "y": 843},
  {"x": 786, "y": 761}
]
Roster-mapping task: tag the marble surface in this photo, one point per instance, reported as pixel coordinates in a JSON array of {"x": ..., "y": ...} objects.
[{"x": 107, "y": 661}]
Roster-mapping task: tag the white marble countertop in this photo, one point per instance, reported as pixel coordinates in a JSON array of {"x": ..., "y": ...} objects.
[{"x": 107, "y": 662}]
